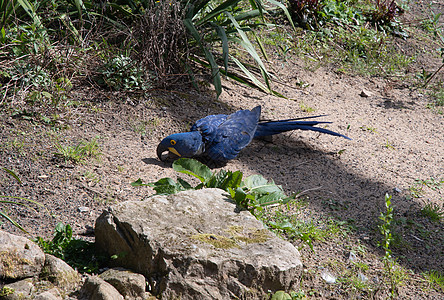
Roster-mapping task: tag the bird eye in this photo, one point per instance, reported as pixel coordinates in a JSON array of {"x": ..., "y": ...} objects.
[{"x": 173, "y": 142}]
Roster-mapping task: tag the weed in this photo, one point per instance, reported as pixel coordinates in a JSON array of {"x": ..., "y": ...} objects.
[
  {"x": 252, "y": 193},
  {"x": 417, "y": 189},
  {"x": 385, "y": 12},
  {"x": 122, "y": 73},
  {"x": 305, "y": 12},
  {"x": 433, "y": 211},
  {"x": 146, "y": 126},
  {"x": 77, "y": 253},
  {"x": 435, "y": 279},
  {"x": 369, "y": 128},
  {"x": 388, "y": 145},
  {"x": 15, "y": 201},
  {"x": 386, "y": 219},
  {"x": 305, "y": 108},
  {"x": 78, "y": 153}
]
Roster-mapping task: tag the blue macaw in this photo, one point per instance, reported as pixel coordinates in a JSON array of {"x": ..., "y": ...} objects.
[{"x": 221, "y": 137}]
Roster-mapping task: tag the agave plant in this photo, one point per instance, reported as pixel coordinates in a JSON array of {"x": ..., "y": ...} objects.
[{"x": 229, "y": 22}]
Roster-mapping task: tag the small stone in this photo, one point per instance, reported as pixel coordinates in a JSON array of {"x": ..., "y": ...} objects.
[
  {"x": 352, "y": 256},
  {"x": 365, "y": 94},
  {"x": 397, "y": 190},
  {"x": 362, "y": 277},
  {"x": 83, "y": 209},
  {"x": 328, "y": 277},
  {"x": 52, "y": 294}
]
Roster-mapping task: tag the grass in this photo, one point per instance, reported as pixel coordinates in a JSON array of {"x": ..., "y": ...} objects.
[
  {"x": 435, "y": 279},
  {"x": 7, "y": 200},
  {"x": 80, "y": 152},
  {"x": 433, "y": 211}
]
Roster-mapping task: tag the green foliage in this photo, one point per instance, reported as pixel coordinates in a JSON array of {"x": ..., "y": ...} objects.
[
  {"x": 122, "y": 73},
  {"x": 306, "y": 12},
  {"x": 212, "y": 23},
  {"x": 433, "y": 211},
  {"x": 77, "y": 253},
  {"x": 252, "y": 194},
  {"x": 385, "y": 226},
  {"x": 385, "y": 12},
  {"x": 281, "y": 295},
  {"x": 80, "y": 152},
  {"x": 435, "y": 279}
]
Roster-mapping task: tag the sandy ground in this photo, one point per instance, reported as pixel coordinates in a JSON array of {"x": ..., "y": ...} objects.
[{"x": 395, "y": 141}]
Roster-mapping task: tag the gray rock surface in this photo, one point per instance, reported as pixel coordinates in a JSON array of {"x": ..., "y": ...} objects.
[
  {"x": 130, "y": 285},
  {"x": 96, "y": 288},
  {"x": 21, "y": 289},
  {"x": 19, "y": 257},
  {"x": 60, "y": 273},
  {"x": 52, "y": 294},
  {"x": 196, "y": 245}
]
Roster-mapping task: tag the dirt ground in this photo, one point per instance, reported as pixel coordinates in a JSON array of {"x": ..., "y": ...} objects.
[{"x": 396, "y": 140}]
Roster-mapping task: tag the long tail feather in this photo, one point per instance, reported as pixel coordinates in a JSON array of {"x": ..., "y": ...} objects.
[{"x": 276, "y": 127}]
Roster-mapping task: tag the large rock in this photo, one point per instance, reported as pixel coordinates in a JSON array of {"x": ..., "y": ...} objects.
[
  {"x": 130, "y": 285},
  {"x": 60, "y": 273},
  {"x": 196, "y": 245},
  {"x": 96, "y": 288},
  {"x": 19, "y": 257}
]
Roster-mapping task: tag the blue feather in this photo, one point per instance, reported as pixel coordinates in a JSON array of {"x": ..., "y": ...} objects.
[{"x": 221, "y": 137}]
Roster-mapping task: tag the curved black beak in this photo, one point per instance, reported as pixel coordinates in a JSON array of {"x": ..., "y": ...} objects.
[{"x": 160, "y": 150}]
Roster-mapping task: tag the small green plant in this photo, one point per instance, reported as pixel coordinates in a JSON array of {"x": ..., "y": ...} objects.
[
  {"x": 77, "y": 253},
  {"x": 306, "y": 12},
  {"x": 433, "y": 211},
  {"x": 252, "y": 193},
  {"x": 388, "y": 145},
  {"x": 122, "y": 73},
  {"x": 369, "y": 128},
  {"x": 306, "y": 108},
  {"x": 80, "y": 152},
  {"x": 435, "y": 279},
  {"x": 385, "y": 225},
  {"x": 417, "y": 189}
]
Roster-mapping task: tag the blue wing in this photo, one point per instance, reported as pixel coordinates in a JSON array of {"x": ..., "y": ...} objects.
[{"x": 226, "y": 135}]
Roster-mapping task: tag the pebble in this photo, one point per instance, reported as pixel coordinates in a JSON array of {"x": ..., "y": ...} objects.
[
  {"x": 397, "y": 190},
  {"x": 362, "y": 277},
  {"x": 83, "y": 209},
  {"x": 328, "y": 277},
  {"x": 352, "y": 256},
  {"x": 365, "y": 93}
]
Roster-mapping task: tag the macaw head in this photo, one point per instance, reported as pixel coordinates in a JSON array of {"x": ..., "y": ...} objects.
[{"x": 187, "y": 144}]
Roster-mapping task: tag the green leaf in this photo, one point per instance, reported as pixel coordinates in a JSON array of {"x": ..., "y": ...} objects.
[
  {"x": 260, "y": 185},
  {"x": 233, "y": 181},
  {"x": 215, "y": 74},
  {"x": 284, "y": 9},
  {"x": 30, "y": 10},
  {"x": 193, "y": 167},
  {"x": 223, "y": 37},
  {"x": 184, "y": 184},
  {"x": 270, "y": 199},
  {"x": 167, "y": 186},
  {"x": 250, "y": 75},
  {"x": 281, "y": 295},
  {"x": 217, "y": 11},
  {"x": 12, "y": 173},
  {"x": 246, "y": 42},
  {"x": 139, "y": 182},
  {"x": 12, "y": 221}
]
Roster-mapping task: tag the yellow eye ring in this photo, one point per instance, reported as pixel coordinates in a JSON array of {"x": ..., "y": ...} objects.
[{"x": 173, "y": 142}]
